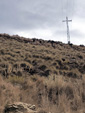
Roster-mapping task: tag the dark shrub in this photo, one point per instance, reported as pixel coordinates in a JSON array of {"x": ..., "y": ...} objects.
[
  {"x": 23, "y": 65},
  {"x": 43, "y": 67}
]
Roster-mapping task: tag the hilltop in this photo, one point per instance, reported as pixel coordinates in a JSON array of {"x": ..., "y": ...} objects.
[{"x": 50, "y": 73}]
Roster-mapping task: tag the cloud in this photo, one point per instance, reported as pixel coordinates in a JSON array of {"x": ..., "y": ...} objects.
[{"x": 42, "y": 19}]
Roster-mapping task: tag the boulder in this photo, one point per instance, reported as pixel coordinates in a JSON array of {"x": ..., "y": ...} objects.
[{"x": 20, "y": 107}]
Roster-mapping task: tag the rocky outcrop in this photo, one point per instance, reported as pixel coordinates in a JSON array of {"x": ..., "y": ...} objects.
[{"x": 20, "y": 107}]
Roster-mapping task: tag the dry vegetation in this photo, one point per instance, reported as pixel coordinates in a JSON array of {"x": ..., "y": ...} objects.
[{"x": 49, "y": 74}]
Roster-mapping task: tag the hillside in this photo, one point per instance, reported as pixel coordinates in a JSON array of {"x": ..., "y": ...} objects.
[
  {"x": 48, "y": 72},
  {"x": 20, "y": 56}
]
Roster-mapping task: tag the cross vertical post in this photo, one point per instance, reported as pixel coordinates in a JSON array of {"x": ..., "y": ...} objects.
[{"x": 68, "y": 33}]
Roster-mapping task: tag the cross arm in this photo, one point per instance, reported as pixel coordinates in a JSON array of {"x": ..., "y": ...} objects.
[
  {"x": 64, "y": 21},
  {"x": 69, "y": 20}
]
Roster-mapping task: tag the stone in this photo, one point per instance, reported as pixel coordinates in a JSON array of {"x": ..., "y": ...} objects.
[{"x": 20, "y": 107}]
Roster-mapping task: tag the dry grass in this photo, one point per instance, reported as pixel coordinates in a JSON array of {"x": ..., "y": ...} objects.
[
  {"x": 61, "y": 95},
  {"x": 39, "y": 57},
  {"x": 49, "y": 75},
  {"x": 8, "y": 93}
]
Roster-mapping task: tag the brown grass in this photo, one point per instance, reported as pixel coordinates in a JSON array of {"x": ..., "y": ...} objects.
[
  {"x": 61, "y": 95},
  {"x": 48, "y": 74},
  {"x": 18, "y": 57},
  {"x": 8, "y": 93}
]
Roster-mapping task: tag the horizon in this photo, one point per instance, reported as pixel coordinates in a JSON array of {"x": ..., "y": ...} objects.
[{"x": 39, "y": 39}]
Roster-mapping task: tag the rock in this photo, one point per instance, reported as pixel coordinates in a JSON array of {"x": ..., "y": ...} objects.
[
  {"x": 20, "y": 107},
  {"x": 33, "y": 107}
]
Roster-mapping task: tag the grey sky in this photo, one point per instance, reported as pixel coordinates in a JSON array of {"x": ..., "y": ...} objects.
[{"x": 43, "y": 19}]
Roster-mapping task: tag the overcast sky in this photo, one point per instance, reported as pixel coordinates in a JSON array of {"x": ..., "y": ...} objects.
[{"x": 43, "y": 19}]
